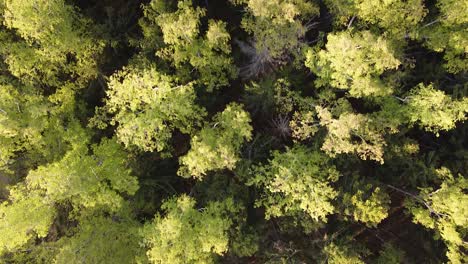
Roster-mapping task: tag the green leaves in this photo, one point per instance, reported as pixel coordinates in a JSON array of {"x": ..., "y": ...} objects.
[
  {"x": 354, "y": 62},
  {"x": 51, "y": 30},
  {"x": 87, "y": 180},
  {"x": 298, "y": 180},
  {"x": 444, "y": 210},
  {"x": 218, "y": 144},
  {"x": 434, "y": 110},
  {"x": 208, "y": 56},
  {"x": 148, "y": 106},
  {"x": 189, "y": 235},
  {"x": 27, "y": 216}
]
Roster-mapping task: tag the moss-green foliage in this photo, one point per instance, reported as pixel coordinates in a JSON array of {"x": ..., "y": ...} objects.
[
  {"x": 447, "y": 33},
  {"x": 87, "y": 180},
  {"x": 52, "y": 30},
  {"x": 366, "y": 204},
  {"x": 389, "y": 254},
  {"x": 342, "y": 252},
  {"x": 99, "y": 239},
  {"x": 297, "y": 180},
  {"x": 277, "y": 28},
  {"x": 444, "y": 210},
  {"x": 434, "y": 110},
  {"x": 148, "y": 106},
  {"x": 218, "y": 144},
  {"x": 25, "y": 217},
  {"x": 241, "y": 131},
  {"x": 186, "y": 234},
  {"x": 354, "y": 62},
  {"x": 396, "y": 17},
  {"x": 351, "y": 133},
  {"x": 208, "y": 54}
]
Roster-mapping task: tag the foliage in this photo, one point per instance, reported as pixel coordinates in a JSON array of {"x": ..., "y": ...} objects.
[
  {"x": 444, "y": 211},
  {"x": 208, "y": 55},
  {"x": 297, "y": 180},
  {"x": 218, "y": 144},
  {"x": 342, "y": 253},
  {"x": 52, "y": 30},
  {"x": 188, "y": 235},
  {"x": 149, "y": 106},
  {"x": 101, "y": 239},
  {"x": 27, "y": 216},
  {"x": 351, "y": 133},
  {"x": 434, "y": 110},
  {"x": 366, "y": 204},
  {"x": 278, "y": 29},
  {"x": 266, "y": 131},
  {"x": 354, "y": 62}
]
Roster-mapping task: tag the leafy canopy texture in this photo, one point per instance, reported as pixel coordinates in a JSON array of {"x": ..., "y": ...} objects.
[
  {"x": 218, "y": 144},
  {"x": 208, "y": 54},
  {"x": 354, "y": 62},
  {"x": 297, "y": 180},
  {"x": 52, "y": 30},
  {"x": 444, "y": 210},
  {"x": 148, "y": 106},
  {"x": 188, "y": 235}
]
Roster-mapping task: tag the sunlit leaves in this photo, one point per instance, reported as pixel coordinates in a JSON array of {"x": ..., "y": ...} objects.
[
  {"x": 296, "y": 180},
  {"x": 185, "y": 234},
  {"x": 218, "y": 144},
  {"x": 354, "y": 62},
  {"x": 148, "y": 106}
]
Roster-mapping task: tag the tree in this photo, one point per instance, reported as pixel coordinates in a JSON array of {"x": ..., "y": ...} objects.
[
  {"x": 343, "y": 252},
  {"x": 188, "y": 235},
  {"x": 443, "y": 210},
  {"x": 366, "y": 203},
  {"x": 148, "y": 106},
  {"x": 297, "y": 180},
  {"x": 52, "y": 30},
  {"x": 277, "y": 28},
  {"x": 218, "y": 144},
  {"x": 99, "y": 239},
  {"x": 208, "y": 55},
  {"x": 447, "y": 33},
  {"x": 87, "y": 182},
  {"x": 398, "y": 18},
  {"x": 23, "y": 119},
  {"x": 26, "y": 216},
  {"x": 354, "y": 62},
  {"x": 434, "y": 110},
  {"x": 351, "y": 133}
]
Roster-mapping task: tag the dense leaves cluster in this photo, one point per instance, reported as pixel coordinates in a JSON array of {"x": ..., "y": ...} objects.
[{"x": 234, "y": 131}]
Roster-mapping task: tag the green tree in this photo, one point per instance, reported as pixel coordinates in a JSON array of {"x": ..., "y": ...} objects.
[
  {"x": 99, "y": 239},
  {"x": 208, "y": 55},
  {"x": 277, "y": 28},
  {"x": 148, "y": 106},
  {"x": 87, "y": 181},
  {"x": 447, "y": 33},
  {"x": 218, "y": 144},
  {"x": 186, "y": 234},
  {"x": 25, "y": 217},
  {"x": 394, "y": 16},
  {"x": 366, "y": 204},
  {"x": 297, "y": 180},
  {"x": 351, "y": 133},
  {"x": 354, "y": 62},
  {"x": 444, "y": 211},
  {"x": 52, "y": 30},
  {"x": 434, "y": 110}
]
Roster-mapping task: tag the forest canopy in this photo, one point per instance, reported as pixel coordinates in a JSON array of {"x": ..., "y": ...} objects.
[{"x": 233, "y": 131}]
